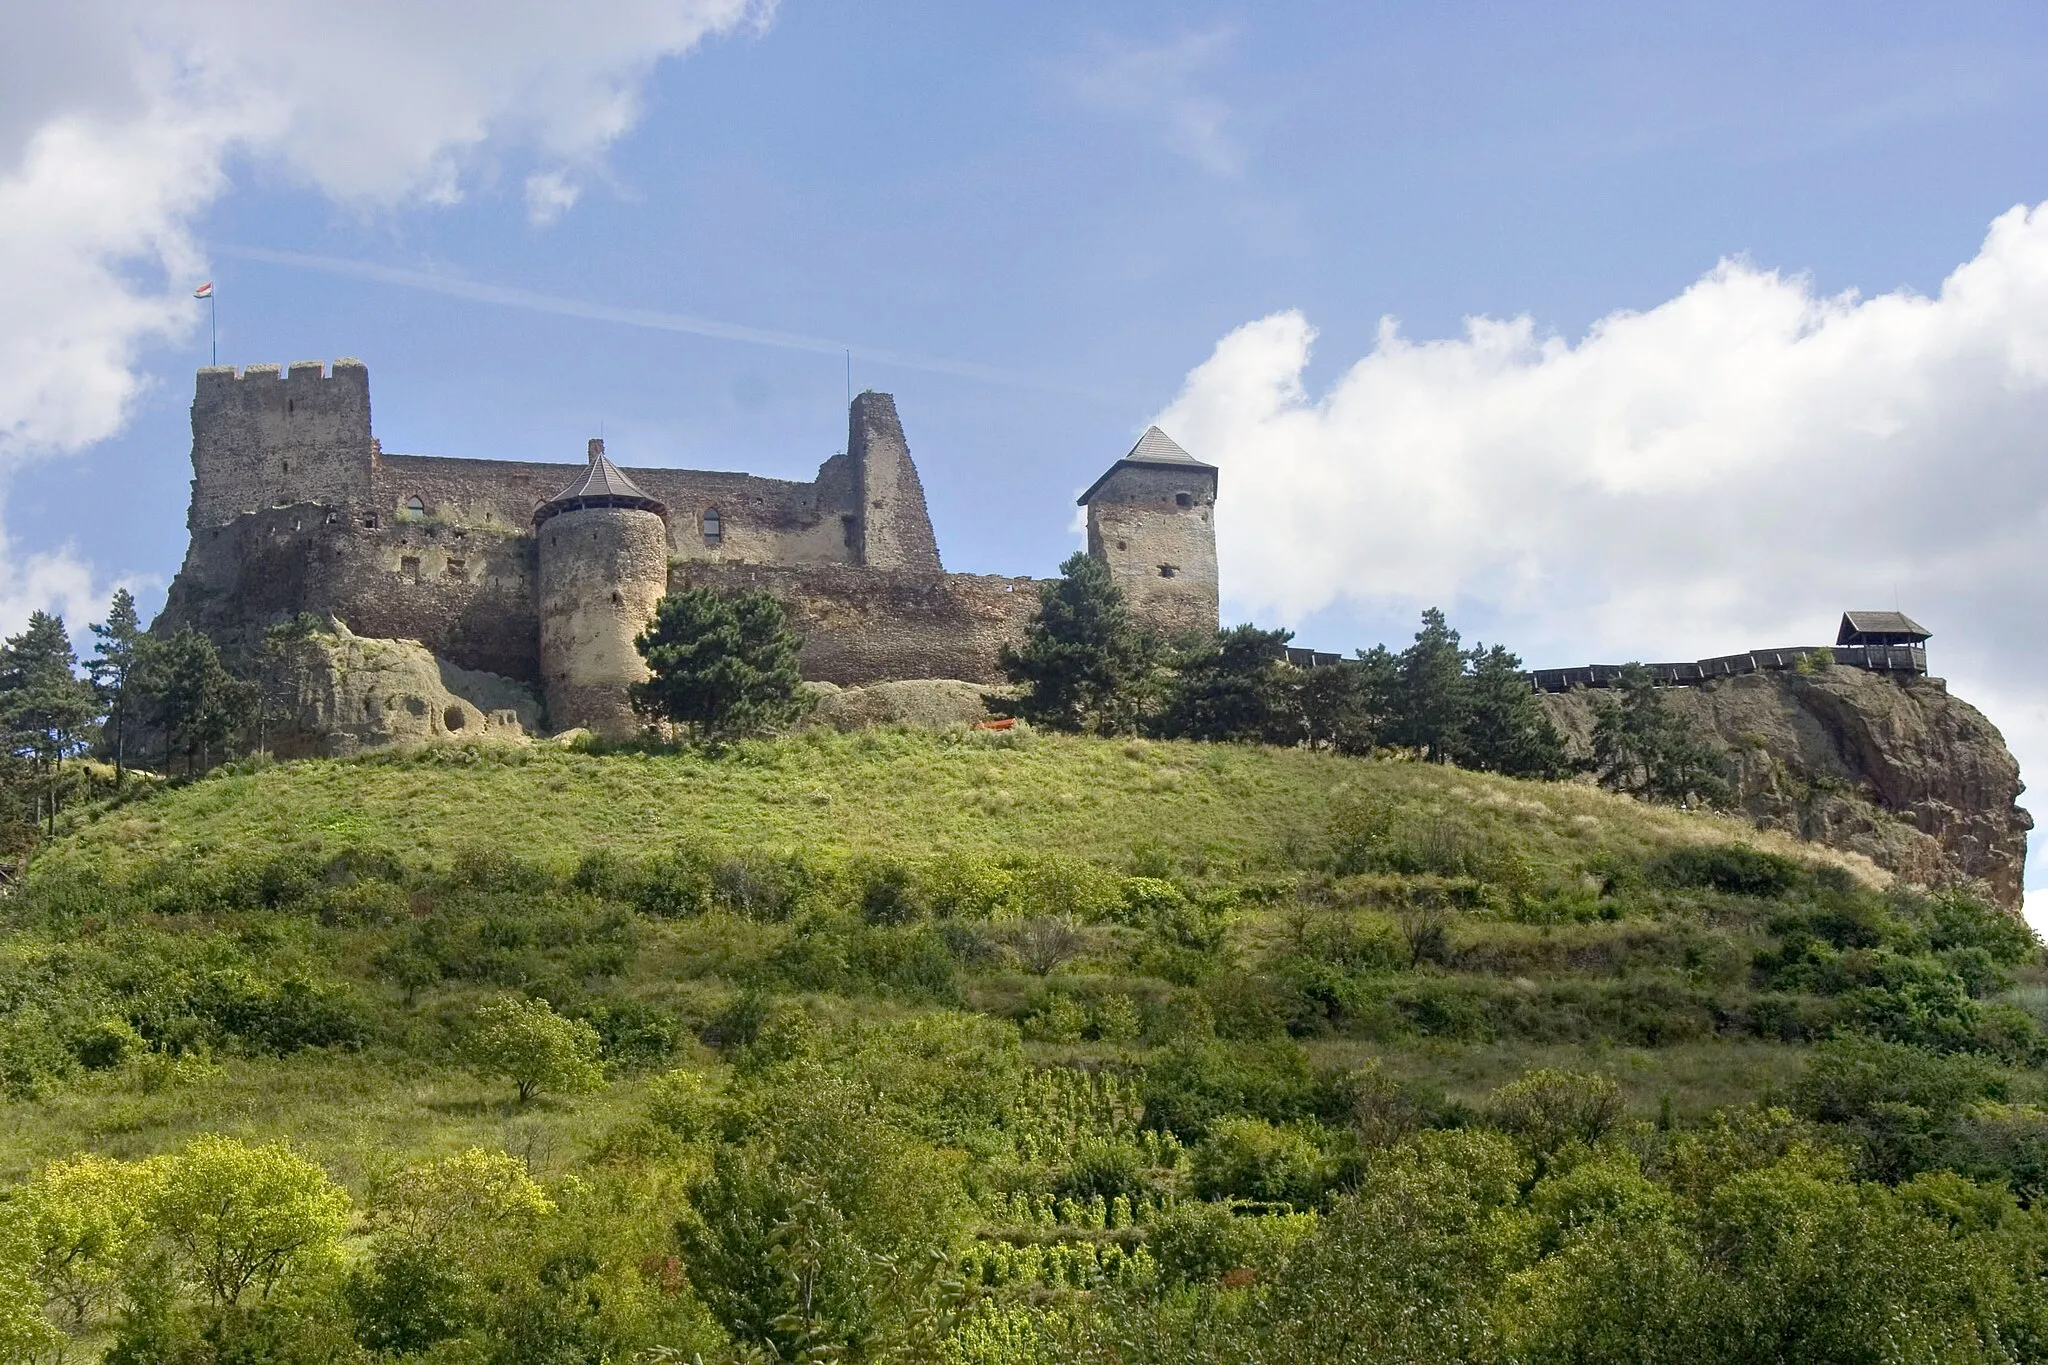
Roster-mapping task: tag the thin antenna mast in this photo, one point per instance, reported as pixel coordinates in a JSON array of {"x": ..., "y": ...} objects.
[{"x": 849, "y": 377}]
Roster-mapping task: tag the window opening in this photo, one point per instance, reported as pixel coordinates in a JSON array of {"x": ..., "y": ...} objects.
[
  {"x": 1168, "y": 570},
  {"x": 1183, "y": 499},
  {"x": 458, "y": 570},
  {"x": 714, "y": 526},
  {"x": 415, "y": 506},
  {"x": 409, "y": 567}
]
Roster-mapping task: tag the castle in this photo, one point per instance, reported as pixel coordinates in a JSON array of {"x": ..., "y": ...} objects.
[{"x": 544, "y": 573}]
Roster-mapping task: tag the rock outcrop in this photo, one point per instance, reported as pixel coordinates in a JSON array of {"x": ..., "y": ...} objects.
[
  {"x": 1899, "y": 770},
  {"x": 357, "y": 693},
  {"x": 925, "y": 703}
]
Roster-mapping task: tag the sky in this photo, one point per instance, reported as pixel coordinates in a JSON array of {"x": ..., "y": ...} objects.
[{"x": 1617, "y": 330}]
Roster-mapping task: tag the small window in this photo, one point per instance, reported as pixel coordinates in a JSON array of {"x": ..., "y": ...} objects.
[
  {"x": 714, "y": 526},
  {"x": 415, "y": 506},
  {"x": 458, "y": 570},
  {"x": 1168, "y": 570},
  {"x": 1183, "y": 499},
  {"x": 370, "y": 521},
  {"x": 409, "y": 568},
  {"x": 284, "y": 466},
  {"x": 1121, "y": 546}
]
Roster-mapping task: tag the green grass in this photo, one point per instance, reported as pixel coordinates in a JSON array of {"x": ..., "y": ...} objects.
[{"x": 872, "y": 791}]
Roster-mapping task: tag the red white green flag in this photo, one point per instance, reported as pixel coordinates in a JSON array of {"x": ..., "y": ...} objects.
[{"x": 204, "y": 291}]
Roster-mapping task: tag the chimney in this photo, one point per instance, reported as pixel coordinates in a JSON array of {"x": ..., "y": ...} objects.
[{"x": 596, "y": 449}]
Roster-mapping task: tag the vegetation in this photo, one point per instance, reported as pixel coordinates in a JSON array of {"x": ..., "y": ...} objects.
[
  {"x": 999, "y": 1047},
  {"x": 723, "y": 665}
]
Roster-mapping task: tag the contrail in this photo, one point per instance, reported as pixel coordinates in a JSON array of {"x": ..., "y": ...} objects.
[{"x": 505, "y": 296}]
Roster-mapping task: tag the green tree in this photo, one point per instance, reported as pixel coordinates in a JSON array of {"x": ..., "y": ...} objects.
[
  {"x": 25, "y": 1332},
  {"x": 1084, "y": 664},
  {"x": 45, "y": 706},
  {"x": 1343, "y": 705},
  {"x": 521, "y": 1040},
  {"x": 1233, "y": 686},
  {"x": 192, "y": 699},
  {"x": 1431, "y": 707},
  {"x": 112, "y": 664},
  {"x": 1505, "y": 728},
  {"x": 722, "y": 665},
  {"x": 291, "y": 650},
  {"x": 1643, "y": 747},
  {"x": 240, "y": 1218},
  {"x": 88, "y": 1221}
]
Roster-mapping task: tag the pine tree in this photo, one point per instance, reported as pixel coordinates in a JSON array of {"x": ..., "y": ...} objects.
[
  {"x": 1641, "y": 746},
  {"x": 1344, "y": 705},
  {"x": 1084, "y": 663},
  {"x": 1236, "y": 686},
  {"x": 45, "y": 706},
  {"x": 113, "y": 660},
  {"x": 721, "y": 665},
  {"x": 1430, "y": 705},
  {"x": 1505, "y": 728},
  {"x": 190, "y": 698}
]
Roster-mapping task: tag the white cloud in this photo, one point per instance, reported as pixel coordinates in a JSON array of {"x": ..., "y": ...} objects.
[
  {"x": 119, "y": 120},
  {"x": 1163, "y": 87},
  {"x": 1730, "y": 469}
]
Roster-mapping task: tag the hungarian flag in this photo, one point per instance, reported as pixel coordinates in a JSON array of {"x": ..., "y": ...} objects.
[{"x": 204, "y": 291}]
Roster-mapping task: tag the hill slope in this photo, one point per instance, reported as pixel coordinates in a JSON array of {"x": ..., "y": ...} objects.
[{"x": 1116, "y": 1032}]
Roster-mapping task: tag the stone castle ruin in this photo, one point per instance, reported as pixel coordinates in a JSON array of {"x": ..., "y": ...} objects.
[{"x": 544, "y": 573}]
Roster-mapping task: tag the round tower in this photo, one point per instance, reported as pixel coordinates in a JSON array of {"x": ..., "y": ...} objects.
[{"x": 603, "y": 567}]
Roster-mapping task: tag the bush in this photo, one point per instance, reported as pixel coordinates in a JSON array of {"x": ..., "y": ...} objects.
[
  {"x": 523, "y": 1041},
  {"x": 1734, "y": 868},
  {"x": 1548, "y": 1110},
  {"x": 1248, "y": 1158}
]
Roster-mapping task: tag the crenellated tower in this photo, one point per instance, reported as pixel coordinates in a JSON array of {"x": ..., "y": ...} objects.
[{"x": 265, "y": 437}]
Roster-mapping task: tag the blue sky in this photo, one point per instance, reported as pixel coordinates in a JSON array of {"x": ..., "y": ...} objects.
[{"x": 1075, "y": 205}]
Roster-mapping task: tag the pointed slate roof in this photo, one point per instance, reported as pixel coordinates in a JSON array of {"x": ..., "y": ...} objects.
[
  {"x": 1155, "y": 449},
  {"x": 602, "y": 484}
]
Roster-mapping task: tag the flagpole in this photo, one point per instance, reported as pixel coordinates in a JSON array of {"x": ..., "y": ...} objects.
[{"x": 213, "y": 324}]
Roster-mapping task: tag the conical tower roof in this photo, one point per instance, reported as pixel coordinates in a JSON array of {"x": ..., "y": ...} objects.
[
  {"x": 1154, "y": 449},
  {"x": 602, "y": 484}
]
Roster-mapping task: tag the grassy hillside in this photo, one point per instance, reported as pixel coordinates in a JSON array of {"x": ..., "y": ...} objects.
[{"x": 1075, "y": 1000}]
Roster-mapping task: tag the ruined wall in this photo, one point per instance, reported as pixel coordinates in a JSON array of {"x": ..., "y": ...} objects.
[
  {"x": 468, "y": 594},
  {"x": 892, "y": 528},
  {"x": 263, "y": 438},
  {"x": 1890, "y": 766},
  {"x": 1155, "y": 528},
  {"x": 602, "y": 570},
  {"x": 760, "y": 520},
  {"x": 868, "y": 625}
]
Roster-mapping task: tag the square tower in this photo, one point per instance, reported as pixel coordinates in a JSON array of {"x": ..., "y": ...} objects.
[{"x": 1152, "y": 520}]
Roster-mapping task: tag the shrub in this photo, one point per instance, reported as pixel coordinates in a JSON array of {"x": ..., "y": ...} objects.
[
  {"x": 1248, "y": 1158},
  {"x": 1059, "y": 1018},
  {"x": 1734, "y": 868},
  {"x": 1548, "y": 1110}
]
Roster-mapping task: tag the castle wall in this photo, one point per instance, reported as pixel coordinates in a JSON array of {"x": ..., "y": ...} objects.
[
  {"x": 265, "y": 438},
  {"x": 893, "y": 529},
  {"x": 467, "y": 594},
  {"x": 867, "y": 625},
  {"x": 1160, "y": 553},
  {"x": 602, "y": 570},
  {"x": 760, "y": 520}
]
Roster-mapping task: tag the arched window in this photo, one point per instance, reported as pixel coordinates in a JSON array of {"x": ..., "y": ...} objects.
[
  {"x": 714, "y": 527},
  {"x": 415, "y": 506}
]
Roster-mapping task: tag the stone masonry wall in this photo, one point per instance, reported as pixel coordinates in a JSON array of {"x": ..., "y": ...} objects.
[
  {"x": 760, "y": 520},
  {"x": 893, "y": 527},
  {"x": 264, "y": 438},
  {"x": 870, "y": 625},
  {"x": 1162, "y": 555},
  {"x": 466, "y": 593},
  {"x": 602, "y": 571}
]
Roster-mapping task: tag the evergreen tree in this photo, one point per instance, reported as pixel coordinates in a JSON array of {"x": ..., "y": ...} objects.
[
  {"x": 289, "y": 653},
  {"x": 1430, "y": 703},
  {"x": 113, "y": 660},
  {"x": 1505, "y": 728},
  {"x": 1237, "y": 686},
  {"x": 45, "y": 706},
  {"x": 722, "y": 665},
  {"x": 190, "y": 697},
  {"x": 1084, "y": 664},
  {"x": 1642, "y": 747},
  {"x": 1343, "y": 705}
]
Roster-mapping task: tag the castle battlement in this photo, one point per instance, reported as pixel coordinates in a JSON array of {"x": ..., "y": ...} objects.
[{"x": 300, "y": 372}]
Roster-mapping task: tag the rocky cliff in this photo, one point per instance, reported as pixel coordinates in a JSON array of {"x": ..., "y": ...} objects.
[
  {"x": 1901, "y": 771},
  {"x": 355, "y": 693}
]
